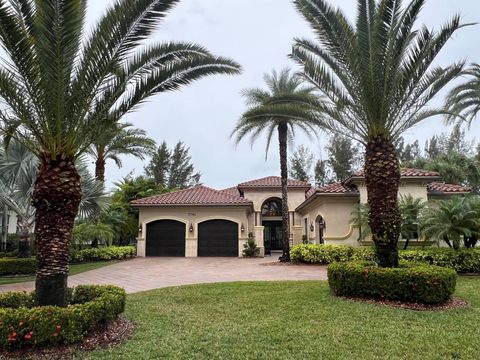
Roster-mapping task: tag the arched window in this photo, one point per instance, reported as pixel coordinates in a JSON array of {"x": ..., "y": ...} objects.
[{"x": 272, "y": 208}]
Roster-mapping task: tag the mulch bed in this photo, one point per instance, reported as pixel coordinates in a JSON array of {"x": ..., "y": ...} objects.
[
  {"x": 453, "y": 303},
  {"x": 104, "y": 336}
]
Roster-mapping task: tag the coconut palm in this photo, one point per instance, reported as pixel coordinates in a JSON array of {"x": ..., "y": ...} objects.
[
  {"x": 464, "y": 99},
  {"x": 59, "y": 86},
  {"x": 451, "y": 221},
  {"x": 116, "y": 140},
  {"x": 284, "y": 107},
  {"x": 18, "y": 172},
  {"x": 378, "y": 77}
]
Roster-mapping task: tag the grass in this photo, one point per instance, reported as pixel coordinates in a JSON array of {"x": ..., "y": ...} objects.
[
  {"x": 291, "y": 320},
  {"x": 74, "y": 269}
]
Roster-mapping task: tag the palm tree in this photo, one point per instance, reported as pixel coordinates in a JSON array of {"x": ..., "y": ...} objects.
[
  {"x": 378, "y": 77},
  {"x": 359, "y": 219},
  {"x": 410, "y": 209},
  {"x": 119, "y": 139},
  {"x": 283, "y": 108},
  {"x": 59, "y": 86},
  {"x": 450, "y": 221},
  {"x": 18, "y": 172},
  {"x": 464, "y": 99}
]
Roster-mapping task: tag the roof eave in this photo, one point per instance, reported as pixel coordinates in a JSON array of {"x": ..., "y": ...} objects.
[{"x": 318, "y": 194}]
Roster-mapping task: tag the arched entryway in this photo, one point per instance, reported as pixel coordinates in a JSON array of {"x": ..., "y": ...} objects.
[
  {"x": 272, "y": 224},
  {"x": 165, "y": 238},
  {"x": 218, "y": 238},
  {"x": 321, "y": 226}
]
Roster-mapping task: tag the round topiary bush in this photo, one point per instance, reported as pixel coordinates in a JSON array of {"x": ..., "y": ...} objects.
[
  {"x": 411, "y": 282},
  {"x": 22, "y": 324}
]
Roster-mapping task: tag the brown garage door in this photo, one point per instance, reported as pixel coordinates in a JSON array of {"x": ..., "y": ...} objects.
[
  {"x": 218, "y": 238},
  {"x": 165, "y": 238}
]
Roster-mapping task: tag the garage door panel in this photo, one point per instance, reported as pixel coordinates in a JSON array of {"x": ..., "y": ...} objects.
[
  {"x": 165, "y": 238},
  {"x": 218, "y": 238}
]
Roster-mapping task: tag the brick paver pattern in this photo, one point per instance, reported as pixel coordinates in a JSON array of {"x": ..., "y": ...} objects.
[{"x": 143, "y": 274}]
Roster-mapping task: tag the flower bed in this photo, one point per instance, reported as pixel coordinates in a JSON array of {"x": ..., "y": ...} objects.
[
  {"x": 22, "y": 324},
  {"x": 411, "y": 282},
  {"x": 462, "y": 261}
]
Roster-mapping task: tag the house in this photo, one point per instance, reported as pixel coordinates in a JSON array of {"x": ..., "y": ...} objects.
[{"x": 201, "y": 221}]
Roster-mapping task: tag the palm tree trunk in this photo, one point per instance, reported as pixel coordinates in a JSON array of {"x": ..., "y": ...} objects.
[
  {"x": 382, "y": 178},
  {"x": 56, "y": 198},
  {"x": 282, "y": 140},
  {"x": 100, "y": 168}
]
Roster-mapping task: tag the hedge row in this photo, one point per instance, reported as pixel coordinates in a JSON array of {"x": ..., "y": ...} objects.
[
  {"x": 14, "y": 266},
  {"x": 414, "y": 283},
  {"x": 22, "y": 324},
  {"x": 462, "y": 261},
  {"x": 104, "y": 254}
]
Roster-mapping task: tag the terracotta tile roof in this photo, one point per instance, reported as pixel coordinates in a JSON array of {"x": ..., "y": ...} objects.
[
  {"x": 231, "y": 190},
  {"x": 334, "y": 188},
  {"x": 437, "y": 187},
  {"x": 273, "y": 182},
  {"x": 198, "y": 195},
  {"x": 406, "y": 172}
]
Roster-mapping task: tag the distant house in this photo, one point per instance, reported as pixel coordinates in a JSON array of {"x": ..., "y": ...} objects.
[{"x": 201, "y": 221}]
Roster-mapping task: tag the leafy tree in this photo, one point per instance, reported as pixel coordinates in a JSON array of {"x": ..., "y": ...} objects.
[
  {"x": 59, "y": 86},
  {"x": 464, "y": 99},
  {"x": 119, "y": 139},
  {"x": 410, "y": 209},
  {"x": 301, "y": 164},
  {"x": 451, "y": 221},
  {"x": 409, "y": 152},
  {"x": 343, "y": 157},
  {"x": 286, "y": 105},
  {"x": 159, "y": 166},
  {"x": 181, "y": 172},
  {"x": 321, "y": 173},
  {"x": 378, "y": 77}
]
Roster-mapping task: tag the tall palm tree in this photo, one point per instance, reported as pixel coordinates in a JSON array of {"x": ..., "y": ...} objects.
[
  {"x": 58, "y": 86},
  {"x": 18, "y": 172},
  {"x": 378, "y": 77},
  {"x": 284, "y": 107},
  {"x": 119, "y": 139},
  {"x": 464, "y": 99}
]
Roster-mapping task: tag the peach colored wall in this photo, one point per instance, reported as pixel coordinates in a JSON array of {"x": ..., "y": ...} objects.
[{"x": 416, "y": 189}]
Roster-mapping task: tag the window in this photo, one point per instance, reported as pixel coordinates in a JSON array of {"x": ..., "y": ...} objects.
[{"x": 272, "y": 208}]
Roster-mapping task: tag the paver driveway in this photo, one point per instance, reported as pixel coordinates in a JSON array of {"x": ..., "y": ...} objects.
[{"x": 142, "y": 274}]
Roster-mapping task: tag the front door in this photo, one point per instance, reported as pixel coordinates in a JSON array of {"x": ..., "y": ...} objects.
[{"x": 272, "y": 235}]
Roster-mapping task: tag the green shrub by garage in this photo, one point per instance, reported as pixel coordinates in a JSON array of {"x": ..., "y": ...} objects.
[
  {"x": 418, "y": 283},
  {"x": 23, "y": 324},
  {"x": 103, "y": 254},
  {"x": 14, "y": 266}
]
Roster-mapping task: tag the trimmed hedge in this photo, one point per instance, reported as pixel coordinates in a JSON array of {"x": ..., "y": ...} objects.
[
  {"x": 411, "y": 282},
  {"x": 103, "y": 254},
  {"x": 14, "y": 266},
  {"x": 23, "y": 325},
  {"x": 462, "y": 261}
]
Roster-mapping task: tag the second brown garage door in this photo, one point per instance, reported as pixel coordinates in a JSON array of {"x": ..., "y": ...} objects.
[{"x": 218, "y": 238}]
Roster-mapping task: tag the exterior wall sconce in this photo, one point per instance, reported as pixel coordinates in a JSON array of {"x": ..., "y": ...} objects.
[
  {"x": 190, "y": 228},
  {"x": 140, "y": 228},
  {"x": 242, "y": 228},
  {"x": 311, "y": 227}
]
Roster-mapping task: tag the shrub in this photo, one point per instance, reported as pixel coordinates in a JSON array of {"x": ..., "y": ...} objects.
[
  {"x": 14, "y": 266},
  {"x": 320, "y": 254},
  {"x": 411, "y": 282},
  {"x": 103, "y": 253},
  {"x": 25, "y": 325},
  {"x": 250, "y": 248},
  {"x": 9, "y": 254},
  {"x": 462, "y": 260}
]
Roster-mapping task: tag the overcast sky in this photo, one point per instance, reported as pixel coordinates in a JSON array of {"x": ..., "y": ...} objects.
[{"x": 258, "y": 34}]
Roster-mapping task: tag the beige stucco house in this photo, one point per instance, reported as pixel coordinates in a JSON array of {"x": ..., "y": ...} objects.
[{"x": 201, "y": 221}]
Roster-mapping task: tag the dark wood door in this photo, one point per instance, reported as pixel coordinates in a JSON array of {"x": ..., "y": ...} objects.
[
  {"x": 218, "y": 238},
  {"x": 272, "y": 235},
  {"x": 165, "y": 238}
]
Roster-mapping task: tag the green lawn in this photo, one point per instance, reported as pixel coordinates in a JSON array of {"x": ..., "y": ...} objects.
[
  {"x": 74, "y": 269},
  {"x": 291, "y": 320}
]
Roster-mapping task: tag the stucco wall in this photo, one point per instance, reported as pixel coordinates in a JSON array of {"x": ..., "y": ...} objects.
[
  {"x": 194, "y": 216},
  {"x": 416, "y": 189}
]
